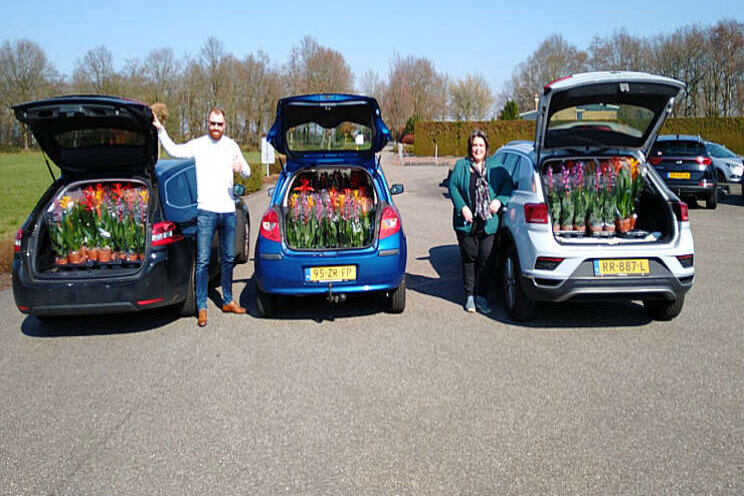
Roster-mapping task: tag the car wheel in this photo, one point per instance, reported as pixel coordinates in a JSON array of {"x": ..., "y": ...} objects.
[
  {"x": 242, "y": 238},
  {"x": 518, "y": 306},
  {"x": 188, "y": 307},
  {"x": 664, "y": 309},
  {"x": 712, "y": 201},
  {"x": 265, "y": 303},
  {"x": 721, "y": 177},
  {"x": 396, "y": 299}
]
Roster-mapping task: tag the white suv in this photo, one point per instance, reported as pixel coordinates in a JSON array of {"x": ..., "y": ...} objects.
[{"x": 565, "y": 233}]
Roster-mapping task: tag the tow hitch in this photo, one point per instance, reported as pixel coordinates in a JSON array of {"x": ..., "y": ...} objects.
[{"x": 335, "y": 297}]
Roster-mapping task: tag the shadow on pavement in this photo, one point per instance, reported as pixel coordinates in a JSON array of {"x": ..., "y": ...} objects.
[
  {"x": 445, "y": 260},
  {"x": 92, "y": 325},
  {"x": 315, "y": 308}
]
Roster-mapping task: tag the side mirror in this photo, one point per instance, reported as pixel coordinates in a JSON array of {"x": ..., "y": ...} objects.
[
  {"x": 271, "y": 191},
  {"x": 396, "y": 189},
  {"x": 238, "y": 190}
]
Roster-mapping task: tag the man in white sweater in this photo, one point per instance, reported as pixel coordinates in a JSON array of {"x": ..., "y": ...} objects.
[{"x": 217, "y": 157}]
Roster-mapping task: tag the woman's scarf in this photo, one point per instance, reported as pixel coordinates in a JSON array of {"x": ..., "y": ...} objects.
[{"x": 481, "y": 192}]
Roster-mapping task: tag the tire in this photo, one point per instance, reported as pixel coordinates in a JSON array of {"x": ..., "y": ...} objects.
[
  {"x": 519, "y": 307},
  {"x": 664, "y": 309},
  {"x": 720, "y": 176},
  {"x": 712, "y": 201},
  {"x": 396, "y": 299},
  {"x": 188, "y": 307},
  {"x": 265, "y": 303},
  {"x": 242, "y": 238}
]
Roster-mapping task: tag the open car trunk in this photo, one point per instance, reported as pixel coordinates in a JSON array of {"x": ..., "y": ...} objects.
[
  {"x": 604, "y": 199},
  {"x": 330, "y": 208},
  {"x": 93, "y": 228}
]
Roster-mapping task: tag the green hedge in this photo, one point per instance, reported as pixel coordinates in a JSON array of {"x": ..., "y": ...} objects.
[{"x": 452, "y": 137}]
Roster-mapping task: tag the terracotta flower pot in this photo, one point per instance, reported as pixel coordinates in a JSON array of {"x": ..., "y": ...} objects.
[
  {"x": 60, "y": 261},
  {"x": 556, "y": 228},
  {"x": 141, "y": 256},
  {"x": 84, "y": 253},
  {"x": 580, "y": 228},
  {"x": 131, "y": 257},
  {"x": 623, "y": 225},
  {"x": 609, "y": 228},
  {"x": 595, "y": 229},
  {"x": 633, "y": 219},
  {"x": 566, "y": 228},
  {"x": 93, "y": 254},
  {"x": 114, "y": 255},
  {"x": 75, "y": 257},
  {"x": 104, "y": 254}
]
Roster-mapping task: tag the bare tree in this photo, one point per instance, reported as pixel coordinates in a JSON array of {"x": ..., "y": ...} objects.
[
  {"x": 618, "y": 52},
  {"x": 160, "y": 71},
  {"x": 554, "y": 58},
  {"x": 398, "y": 106},
  {"x": 726, "y": 59},
  {"x": 25, "y": 74},
  {"x": 211, "y": 56},
  {"x": 313, "y": 68},
  {"x": 95, "y": 72},
  {"x": 470, "y": 98}
]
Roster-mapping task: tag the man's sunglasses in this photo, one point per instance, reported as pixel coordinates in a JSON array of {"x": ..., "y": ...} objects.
[{"x": 216, "y": 124}]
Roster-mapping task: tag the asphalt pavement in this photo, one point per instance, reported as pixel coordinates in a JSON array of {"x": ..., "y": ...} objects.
[{"x": 347, "y": 399}]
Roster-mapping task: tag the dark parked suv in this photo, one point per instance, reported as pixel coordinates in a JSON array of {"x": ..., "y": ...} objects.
[
  {"x": 111, "y": 196},
  {"x": 687, "y": 168}
]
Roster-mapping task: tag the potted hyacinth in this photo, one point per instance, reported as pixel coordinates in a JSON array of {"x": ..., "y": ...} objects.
[
  {"x": 567, "y": 201},
  {"x": 554, "y": 199},
  {"x": 624, "y": 199},
  {"x": 595, "y": 217},
  {"x": 579, "y": 199}
]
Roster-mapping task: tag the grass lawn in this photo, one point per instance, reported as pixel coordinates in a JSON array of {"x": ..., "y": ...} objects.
[{"x": 25, "y": 178}]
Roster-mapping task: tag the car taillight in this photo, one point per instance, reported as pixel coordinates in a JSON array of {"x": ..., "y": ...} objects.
[
  {"x": 17, "y": 242},
  {"x": 536, "y": 213},
  {"x": 165, "y": 233},
  {"x": 704, "y": 160},
  {"x": 680, "y": 211},
  {"x": 655, "y": 160},
  {"x": 269, "y": 228},
  {"x": 390, "y": 223}
]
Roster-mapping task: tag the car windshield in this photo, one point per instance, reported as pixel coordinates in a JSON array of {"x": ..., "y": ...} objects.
[
  {"x": 678, "y": 148},
  {"x": 601, "y": 123},
  {"x": 311, "y": 136},
  {"x": 720, "y": 151},
  {"x": 88, "y": 138}
]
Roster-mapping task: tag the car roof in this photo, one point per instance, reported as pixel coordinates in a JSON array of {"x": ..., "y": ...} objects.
[
  {"x": 523, "y": 146},
  {"x": 679, "y": 137}
]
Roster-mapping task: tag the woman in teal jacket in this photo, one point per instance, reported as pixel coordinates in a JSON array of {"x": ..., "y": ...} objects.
[{"x": 479, "y": 189}]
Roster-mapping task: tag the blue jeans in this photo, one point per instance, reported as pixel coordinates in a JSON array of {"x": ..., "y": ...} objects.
[{"x": 207, "y": 223}]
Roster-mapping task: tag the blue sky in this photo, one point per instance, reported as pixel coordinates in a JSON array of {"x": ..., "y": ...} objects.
[{"x": 460, "y": 37}]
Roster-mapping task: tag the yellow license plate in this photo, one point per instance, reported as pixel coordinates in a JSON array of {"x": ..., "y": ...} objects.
[
  {"x": 679, "y": 175},
  {"x": 621, "y": 267},
  {"x": 330, "y": 274}
]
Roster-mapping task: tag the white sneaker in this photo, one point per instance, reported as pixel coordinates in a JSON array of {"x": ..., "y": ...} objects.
[{"x": 470, "y": 304}]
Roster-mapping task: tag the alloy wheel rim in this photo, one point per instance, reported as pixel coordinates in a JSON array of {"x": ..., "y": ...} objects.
[{"x": 510, "y": 283}]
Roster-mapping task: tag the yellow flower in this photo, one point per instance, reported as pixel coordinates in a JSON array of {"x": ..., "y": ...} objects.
[
  {"x": 65, "y": 202},
  {"x": 144, "y": 195}
]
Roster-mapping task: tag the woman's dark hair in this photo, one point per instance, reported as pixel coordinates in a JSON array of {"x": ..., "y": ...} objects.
[{"x": 477, "y": 133}]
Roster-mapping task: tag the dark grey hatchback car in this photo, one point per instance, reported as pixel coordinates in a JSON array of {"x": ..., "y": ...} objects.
[
  {"x": 685, "y": 165},
  {"x": 110, "y": 191}
]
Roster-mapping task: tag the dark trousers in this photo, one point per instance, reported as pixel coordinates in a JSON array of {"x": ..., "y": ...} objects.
[{"x": 475, "y": 251}]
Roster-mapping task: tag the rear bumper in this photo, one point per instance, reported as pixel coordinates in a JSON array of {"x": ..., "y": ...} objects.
[
  {"x": 584, "y": 285},
  {"x": 284, "y": 272},
  {"x": 160, "y": 282},
  {"x": 690, "y": 188}
]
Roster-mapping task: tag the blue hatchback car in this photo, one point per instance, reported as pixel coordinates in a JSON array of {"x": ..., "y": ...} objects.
[{"x": 331, "y": 226}]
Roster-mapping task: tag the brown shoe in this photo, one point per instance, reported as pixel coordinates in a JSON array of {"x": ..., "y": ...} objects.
[
  {"x": 233, "y": 307},
  {"x": 201, "y": 321}
]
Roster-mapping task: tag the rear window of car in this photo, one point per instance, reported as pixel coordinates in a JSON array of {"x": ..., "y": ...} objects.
[
  {"x": 719, "y": 151},
  {"x": 311, "y": 136},
  {"x": 620, "y": 119},
  {"x": 678, "y": 148},
  {"x": 89, "y": 138}
]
